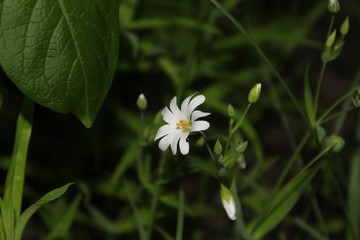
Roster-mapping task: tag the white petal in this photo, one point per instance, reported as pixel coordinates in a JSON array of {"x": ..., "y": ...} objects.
[
  {"x": 199, "y": 126},
  {"x": 165, "y": 142},
  {"x": 184, "y": 145},
  {"x": 175, "y": 110},
  {"x": 185, "y": 104},
  {"x": 175, "y": 141},
  {"x": 165, "y": 130},
  {"x": 198, "y": 114},
  {"x": 194, "y": 103},
  {"x": 168, "y": 116},
  {"x": 230, "y": 208}
]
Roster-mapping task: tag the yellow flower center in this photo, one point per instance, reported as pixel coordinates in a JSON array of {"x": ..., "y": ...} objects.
[{"x": 184, "y": 125}]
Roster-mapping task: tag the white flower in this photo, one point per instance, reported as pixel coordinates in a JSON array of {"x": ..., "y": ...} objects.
[
  {"x": 228, "y": 202},
  {"x": 180, "y": 123}
]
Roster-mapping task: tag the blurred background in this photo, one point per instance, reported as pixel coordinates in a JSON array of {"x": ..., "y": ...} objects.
[{"x": 177, "y": 48}]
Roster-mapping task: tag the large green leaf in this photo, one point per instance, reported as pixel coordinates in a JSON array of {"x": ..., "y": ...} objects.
[{"x": 61, "y": 54}]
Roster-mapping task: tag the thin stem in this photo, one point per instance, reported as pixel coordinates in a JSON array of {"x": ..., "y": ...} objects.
[
  {"x": 181, "y": 210},
  {"x": 237, "y": 126},
  {"x": 340, "y": 100},
  {"x": 314, "y": 160},
  {"x": 344, "y": 111},
  {"x": 138, "y": 220},
  {"x": 319, "y": 215},
  {"x": 323, "y": 67},
  {"x": 330, "y": 25},
  {"x": 240, "y": 226},
  {"x": 318, "y": 86},
  {"x": 156, "y": 194},
  {"x": 282, "y": 113},
  {"x": 261, "y": 53},
  {"x": 208, "y": 146},
  {"x": 239, "y": 123},
  {"x": 340, "y": 121},
  {"x": 291, "y": 162}
]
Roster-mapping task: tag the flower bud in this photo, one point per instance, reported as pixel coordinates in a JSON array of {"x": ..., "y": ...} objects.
[
  {"x": 221, "y": 159},
  {"x": 231, "y": 111},
  {"x": 254, "y": 93},
  {"x": 344, "y": 29},
  {"x": 335, "y": 142},
  {"x": 240, "y": 148},
  {"x": 141, "y": 102},
  {"x": 333, "y": 6},
  {"x": 331, "y": 39},
  {"x": 222, "y": 172},
  {"x": 241, "y": 161},
  {"x": 356, "y": 101},
  {"x": 228, "y": 202},
  {"x": 217, "y": 147}
]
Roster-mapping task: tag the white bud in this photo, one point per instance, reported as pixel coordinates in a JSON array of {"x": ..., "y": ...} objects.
[{"x": 228, "y": 202}]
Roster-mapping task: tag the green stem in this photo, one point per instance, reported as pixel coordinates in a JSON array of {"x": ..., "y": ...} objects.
[
  {"x": 181, "y": 210},
  {"x": 240, "y": 227},
  {"x": 340, "y": 121},
  {"x": 314, "y": 160},
  {"x": 261, "y": 54},
  {"x": 139, "y": 222},
  {"x": 156, "y": 195},
  {"x": 15, "y": 179},
  {"x": 208, "y": 147},
  {"x": 340, "y": 100},
  {"x": 342, "y": 112},
  {"x": 237, "y": 126},
  {"x": 282, "y": 113},
  {"x": 319, "y": 215},
  {"x": 322, "y": 71},
  {"x": 291, "y": 162},
  {"x": 318, "y": 86},
  {"x": 239, "y": 123}
]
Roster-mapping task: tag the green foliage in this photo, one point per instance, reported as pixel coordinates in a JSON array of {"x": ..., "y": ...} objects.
[
  {"x": 15, "y": 178},
  {"x": 283, "y": 202},
  {"x": 63, "y": 224},
  {"x": 284, "y": 158},
  {"x": 62, "y": 54},
  {"x": 26, "y": 215}
]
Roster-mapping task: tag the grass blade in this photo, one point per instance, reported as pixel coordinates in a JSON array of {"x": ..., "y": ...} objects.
[
  {"x": 16, "y": 174},
  {"x": 283, "y": 202},
  {"x": 26, "y": 215},
  {"x": 309, "y": 100},
  {"x": 354, "y": 197},
  {"x": 261, "y": 54},
  {"x": 7, "y": 220},
  {"x": 62, "y": 226}
]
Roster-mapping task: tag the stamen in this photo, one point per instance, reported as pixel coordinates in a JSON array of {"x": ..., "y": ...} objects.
[{"x": 184, "y": 125}]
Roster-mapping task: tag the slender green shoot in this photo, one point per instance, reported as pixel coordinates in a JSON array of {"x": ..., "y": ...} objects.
[
  {"x": 322, "y": 71},
  {"x": 261, "y": 54},
  {"x": 16, "y": 174},
  {"x": 181, "y": 211}
]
